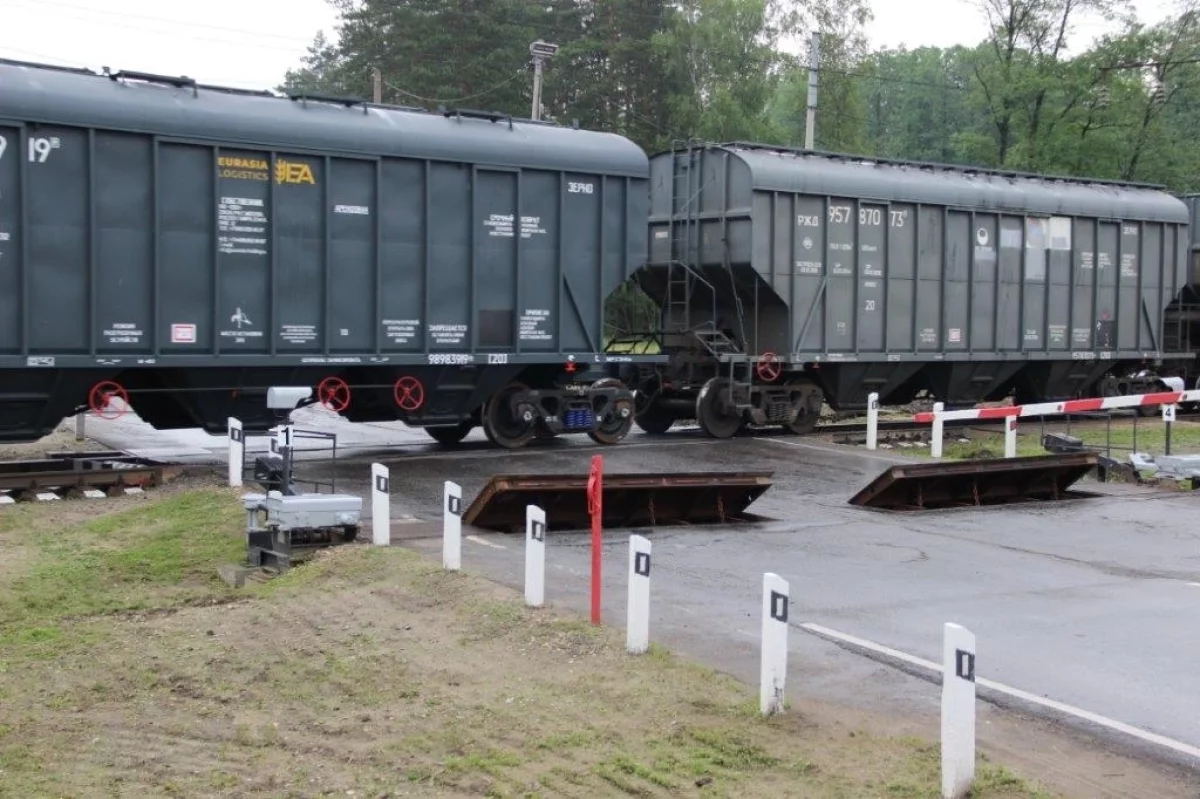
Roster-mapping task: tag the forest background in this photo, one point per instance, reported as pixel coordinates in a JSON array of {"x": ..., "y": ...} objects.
[{"x": 1025, "y": 98}]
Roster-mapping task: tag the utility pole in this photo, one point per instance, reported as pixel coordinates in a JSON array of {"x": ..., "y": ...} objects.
[
  {"x": 378, "y": 85},
  {"x": 814, "y": 63},
  {"x": 541, "y": 52}
]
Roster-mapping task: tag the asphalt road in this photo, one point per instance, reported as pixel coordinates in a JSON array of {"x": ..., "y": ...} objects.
[{"x": 1089, "y": 602}]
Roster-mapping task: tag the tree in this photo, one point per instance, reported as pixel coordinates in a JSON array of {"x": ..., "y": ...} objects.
[
  {"x": 663, "y": 71},
  {"x": 723, "y": 62},
  {"x": 918, "y": 105},
  {"x": 611, "y": 72},
  {"x": 840, "y": 99},
  {"x": 1022, "y": 64},
  {"x": 321, "y": 71},
  {"x": 468, "y": 53}
]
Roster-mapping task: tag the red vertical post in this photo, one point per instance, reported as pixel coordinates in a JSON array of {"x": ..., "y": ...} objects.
[{"x": 595, "y": 492}]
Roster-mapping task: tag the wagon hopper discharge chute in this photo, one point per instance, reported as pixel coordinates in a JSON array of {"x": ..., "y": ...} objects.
[
  {"x": 175, "y": 249},
  {"x": 786, "y": 279}
]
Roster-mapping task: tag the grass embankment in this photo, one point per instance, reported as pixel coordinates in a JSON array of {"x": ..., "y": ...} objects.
[
  {"x": 129, "y": 668},
  {"x": 1120, "y": 437}
]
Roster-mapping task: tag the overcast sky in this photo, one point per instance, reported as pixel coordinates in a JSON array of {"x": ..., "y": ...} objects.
[{"x": 251, "y": 43}]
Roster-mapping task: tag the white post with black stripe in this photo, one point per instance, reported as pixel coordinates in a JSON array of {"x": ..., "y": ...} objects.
[
  {"x": 381, "y": 505},
  {"x": 774, "y": 643},
  {"x": 237, "y": 451},
  {"x": 1010, "y": 437},
  {"x": 1168, "y": 415},
  {"x": 452, "y": 526},
  {"x": 535, "y": 556},
  {"x": 958, "y": 711},
  {"x": 637, "y": 624},
  {"x": 873, "y": 420}
]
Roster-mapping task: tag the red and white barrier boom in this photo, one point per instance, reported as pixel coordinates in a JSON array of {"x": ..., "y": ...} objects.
[{"x": 1168, "y": 399}]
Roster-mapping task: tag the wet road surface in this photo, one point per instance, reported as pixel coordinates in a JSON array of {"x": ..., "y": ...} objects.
[{"x": 1087, "y": 602}]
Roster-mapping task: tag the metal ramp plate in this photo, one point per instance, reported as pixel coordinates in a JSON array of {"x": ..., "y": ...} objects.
[
  {"x": 629, "y": 500},
  {"x": 956, "y": 484}
]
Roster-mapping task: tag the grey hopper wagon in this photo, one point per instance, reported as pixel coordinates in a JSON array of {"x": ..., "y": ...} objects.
[
  {"x": 183, "y": 247},
  {"x": 1182, "y": 318},
  {"x": 790, "y": 278}
]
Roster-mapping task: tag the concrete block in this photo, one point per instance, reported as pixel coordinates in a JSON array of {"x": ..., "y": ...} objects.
[{"x": 235, "y": 574}]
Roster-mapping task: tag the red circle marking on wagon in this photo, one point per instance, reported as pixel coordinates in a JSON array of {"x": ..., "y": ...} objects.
[
  {"x": 334, "y": 393},
  {"x": 410, "y": 393},
  {"x": 769, "y": 368},
  {"x": 100, "y": 398}
]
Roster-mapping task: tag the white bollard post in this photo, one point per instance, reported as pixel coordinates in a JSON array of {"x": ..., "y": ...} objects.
[
  {"x": 872, "y": 420},
  {"x": 935, "y": 437},
  {"x": 1168, "y": 415},
  {"x": 81, "y": 426},
  {"x": 452, "y": 527},
  {"x": 958, "y": 711},
  {"x": 637, "y": 624},
  {"x": 535, "y": 556},
  {"x": 381, "y": 505},
  {"x": 237, "y": 452},
  {"x": 774, "y": 643},
  {"x": 1010, "y": 437}
]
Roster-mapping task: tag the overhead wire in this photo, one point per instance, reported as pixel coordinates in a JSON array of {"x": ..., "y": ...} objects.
[{"x": 474, "y": 96}]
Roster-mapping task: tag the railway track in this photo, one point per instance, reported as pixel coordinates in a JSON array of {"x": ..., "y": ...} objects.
[{"x": 93, "y": 475}]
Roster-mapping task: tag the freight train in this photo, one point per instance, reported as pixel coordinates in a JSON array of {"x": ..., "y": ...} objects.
[
  {"x": 788, "y": 279},
  {"x": 177, "y": 249}
]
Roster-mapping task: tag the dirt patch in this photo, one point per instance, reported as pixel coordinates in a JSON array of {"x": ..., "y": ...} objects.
[
  {"x": 130, "y": 669},
  {"x": 61, "y": 440}
]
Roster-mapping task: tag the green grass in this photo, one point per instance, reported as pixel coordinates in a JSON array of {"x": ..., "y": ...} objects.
[
  {"x": 367, "y": 668},
  {"x": 152, "y": 557}
]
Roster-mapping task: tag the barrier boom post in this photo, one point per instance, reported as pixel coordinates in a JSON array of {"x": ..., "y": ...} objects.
[
  {"x": 1164, "y": 398},
  {"x": 595, "y": 494}
]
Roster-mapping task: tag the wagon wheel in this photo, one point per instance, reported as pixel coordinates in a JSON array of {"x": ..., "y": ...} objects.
[
  {"x": 655, "y": 419},
  {"x": 500, "y": 426},
  {"x": 1112, "y": 387},
  {"x": 613, "y": 428},
  {"x": 713, "y": 420},
  {"x": 646, "y": 393},
  {"x": 451, "y": 435},
  {"x": 809, "y": 412}
]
